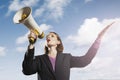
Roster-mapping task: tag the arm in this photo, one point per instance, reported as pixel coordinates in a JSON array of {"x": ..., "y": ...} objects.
[
  {"x": 30, "y": 62},
  {"x": 83, "y": 61}
]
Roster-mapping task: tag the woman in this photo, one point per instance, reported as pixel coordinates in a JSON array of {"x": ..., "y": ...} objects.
[{"x": 54, "y": 64}]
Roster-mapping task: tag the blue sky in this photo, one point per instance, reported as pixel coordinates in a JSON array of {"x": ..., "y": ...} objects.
[{"x": 78, "y": 22}]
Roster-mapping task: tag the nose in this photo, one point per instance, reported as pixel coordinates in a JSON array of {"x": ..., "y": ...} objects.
[{"x": 48, "y": 37}]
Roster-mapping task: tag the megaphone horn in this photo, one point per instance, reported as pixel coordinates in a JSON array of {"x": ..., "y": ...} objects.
[{"x": 24, "y": 16}]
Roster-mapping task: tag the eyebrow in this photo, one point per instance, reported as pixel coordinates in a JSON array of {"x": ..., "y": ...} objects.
[{"x": 51, "y": 34}]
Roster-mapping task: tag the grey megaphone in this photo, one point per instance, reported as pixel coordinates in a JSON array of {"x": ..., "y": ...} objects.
[{"x": 24, "y": 16}]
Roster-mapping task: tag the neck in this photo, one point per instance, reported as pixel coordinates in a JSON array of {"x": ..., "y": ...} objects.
[{"x": 52, "y": 52}]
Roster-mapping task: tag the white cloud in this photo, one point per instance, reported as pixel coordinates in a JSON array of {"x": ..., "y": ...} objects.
[
  {"x": 105, "y": 65},
  {"x": 86, "y": 1},
  {"x": 17, "y": 4},
  {"x": 21, "y": 49},
  {"x": 1, "y": 68},
  {"x": 89, "y": 30},
  {"x": 45, "y": 27},
  {"x": 52, "y": 9},
  {"x": 22, "y": 39},
  {"x": 39, "y": 12},
  {"x": 2, "y": 51}
]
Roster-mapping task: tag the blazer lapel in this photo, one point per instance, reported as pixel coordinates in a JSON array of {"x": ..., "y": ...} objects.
[
  {"x": 49, "y": 65},
  {"x": 58, "y": 64},
  {"x": 48, "y": 62}
]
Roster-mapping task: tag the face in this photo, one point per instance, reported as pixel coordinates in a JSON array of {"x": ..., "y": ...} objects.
[{"x": 52, "y": 40}]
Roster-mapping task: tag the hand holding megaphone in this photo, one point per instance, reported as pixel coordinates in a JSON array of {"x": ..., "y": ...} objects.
[
  {"x": 32, "y": 37},
  {"x": 24, "y": 16}
]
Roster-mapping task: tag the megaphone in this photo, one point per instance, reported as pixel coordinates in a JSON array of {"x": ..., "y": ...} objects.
[{"x": 24, "y": 16}]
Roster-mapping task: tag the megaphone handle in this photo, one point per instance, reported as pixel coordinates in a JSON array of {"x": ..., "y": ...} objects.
[
  {"x": 32, "y": 40},
  {"x": 41, "y": 35}
]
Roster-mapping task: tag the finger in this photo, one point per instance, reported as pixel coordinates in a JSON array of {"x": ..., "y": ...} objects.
[
  {"x": 32, "y": 34},
  {"x": 105, "y": 29}
]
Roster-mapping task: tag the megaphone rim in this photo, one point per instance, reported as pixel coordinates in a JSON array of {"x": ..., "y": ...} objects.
[{"x": 27, "y": 7}]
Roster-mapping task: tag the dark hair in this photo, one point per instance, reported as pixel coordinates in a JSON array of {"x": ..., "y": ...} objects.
[{"x": 59, "y": 46}]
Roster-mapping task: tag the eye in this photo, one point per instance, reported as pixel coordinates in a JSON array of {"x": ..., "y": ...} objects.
[{"x": 52, "y": 35}]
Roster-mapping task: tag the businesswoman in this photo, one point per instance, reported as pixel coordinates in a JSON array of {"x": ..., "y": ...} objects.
[{"x": 54, "y": 64}]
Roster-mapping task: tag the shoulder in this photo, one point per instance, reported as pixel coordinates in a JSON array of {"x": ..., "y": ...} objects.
[
  {"x": 65, "y": 55},
  {"x": 39, "y": 56}
]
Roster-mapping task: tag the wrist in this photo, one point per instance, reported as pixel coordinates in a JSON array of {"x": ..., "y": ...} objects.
[{"x": 31, "y": 46}]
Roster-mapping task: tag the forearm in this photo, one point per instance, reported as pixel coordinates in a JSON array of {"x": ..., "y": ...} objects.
[
  {"x": 31, "y": 46},
  {"x": 28, "y": 62},
  {"x": 30, "y": 52},
  {"x": 92, "y": 50},
  {"x": 82, "y": 61}
]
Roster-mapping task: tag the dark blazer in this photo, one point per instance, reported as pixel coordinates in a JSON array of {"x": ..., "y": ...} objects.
[{"x": 43, "y": 67}]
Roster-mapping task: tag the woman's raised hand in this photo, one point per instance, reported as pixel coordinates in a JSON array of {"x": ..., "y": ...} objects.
[{"x": 104, "y": 30}]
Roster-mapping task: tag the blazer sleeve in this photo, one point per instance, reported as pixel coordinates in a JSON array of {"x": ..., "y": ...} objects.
[
  {"x": 30, "y": 63},
  {"x": 82, "y": 61}
]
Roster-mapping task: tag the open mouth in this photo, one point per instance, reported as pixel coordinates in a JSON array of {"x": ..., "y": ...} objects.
[{"x": 48, "y": 40}]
